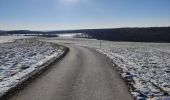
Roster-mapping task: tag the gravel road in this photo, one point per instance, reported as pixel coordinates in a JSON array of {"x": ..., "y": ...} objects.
[{"x": 83, "y": 74}]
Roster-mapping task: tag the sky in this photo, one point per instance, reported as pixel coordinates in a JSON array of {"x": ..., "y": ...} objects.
[{"x": 82, "y": 14}]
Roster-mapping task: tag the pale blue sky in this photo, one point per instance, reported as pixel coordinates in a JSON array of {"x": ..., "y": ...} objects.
[{"x": 82, "y": 14}]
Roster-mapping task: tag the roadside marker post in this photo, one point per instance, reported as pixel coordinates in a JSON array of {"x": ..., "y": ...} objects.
[{"x": 100, "y": 44}]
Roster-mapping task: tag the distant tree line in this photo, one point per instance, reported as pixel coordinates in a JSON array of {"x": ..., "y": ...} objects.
[
  {"x": 154, "y": 34},
  {"x": 150, "y": 34}
]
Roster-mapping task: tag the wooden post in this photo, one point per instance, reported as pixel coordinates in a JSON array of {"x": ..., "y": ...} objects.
[{"x": 100, "y": 44}]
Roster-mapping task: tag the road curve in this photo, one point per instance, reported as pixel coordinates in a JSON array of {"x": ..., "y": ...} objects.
[{"x": 82, "y": 75}]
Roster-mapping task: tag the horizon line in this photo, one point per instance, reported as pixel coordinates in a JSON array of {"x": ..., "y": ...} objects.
[{"x": 84, "y": 28}]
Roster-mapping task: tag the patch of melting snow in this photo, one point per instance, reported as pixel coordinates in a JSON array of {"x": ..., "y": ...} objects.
[{"x": 22, "y": 57}]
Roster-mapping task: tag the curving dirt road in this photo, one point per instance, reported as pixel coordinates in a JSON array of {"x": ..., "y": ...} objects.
[{"x": 82, "y": 75}]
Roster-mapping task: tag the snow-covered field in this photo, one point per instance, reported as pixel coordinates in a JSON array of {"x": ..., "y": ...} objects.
[
  {"x": 22, "y": 58},
  {"x": 144, "y": 66},
  {"x": 11, "y": 38}
]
